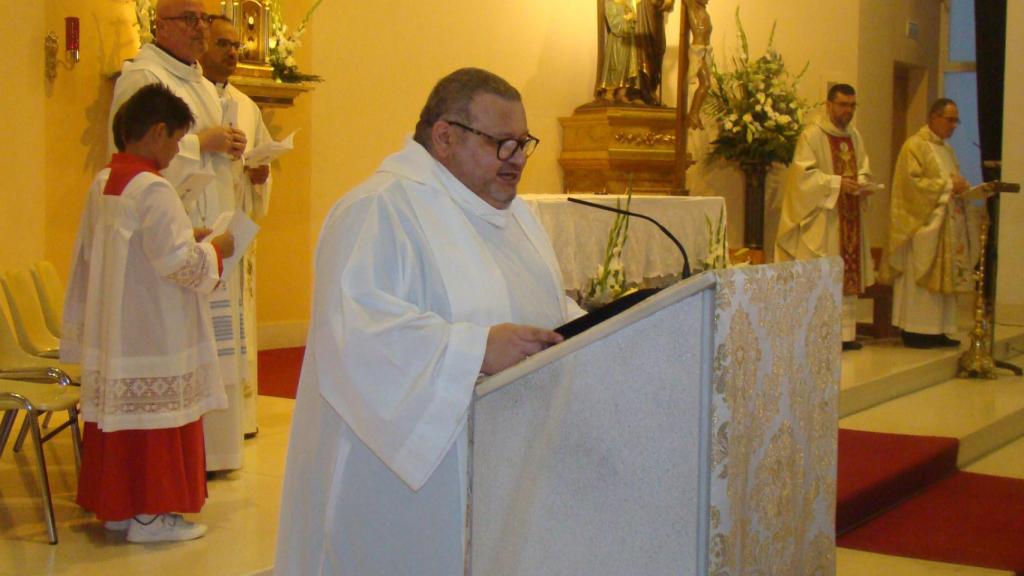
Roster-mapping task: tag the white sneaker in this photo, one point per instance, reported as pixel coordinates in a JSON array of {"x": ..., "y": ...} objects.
[
  {"x": 165, "y": 528},
  {"x": 117, "y": 525}
]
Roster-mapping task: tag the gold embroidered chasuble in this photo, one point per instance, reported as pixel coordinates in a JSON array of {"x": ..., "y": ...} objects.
[{"x": 922, "y": 185}]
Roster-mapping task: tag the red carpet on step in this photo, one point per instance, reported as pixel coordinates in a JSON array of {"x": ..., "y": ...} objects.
[
  {"x": 279, "y": 371},
  {"x": 971, "y": 519},
  {"x": 878, "y": 470}
]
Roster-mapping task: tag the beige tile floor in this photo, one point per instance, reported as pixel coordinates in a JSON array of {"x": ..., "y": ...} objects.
[{"x": 242, "y": 511}]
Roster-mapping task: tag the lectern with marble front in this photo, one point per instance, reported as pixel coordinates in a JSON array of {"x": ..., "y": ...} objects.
[{"x": 693, "y": 434}]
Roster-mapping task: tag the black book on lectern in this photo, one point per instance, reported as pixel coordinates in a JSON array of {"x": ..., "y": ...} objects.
[{"x": 574, "y": 327}]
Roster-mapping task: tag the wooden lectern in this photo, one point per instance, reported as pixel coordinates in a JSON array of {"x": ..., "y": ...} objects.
[{"x": 694, "y": 433}]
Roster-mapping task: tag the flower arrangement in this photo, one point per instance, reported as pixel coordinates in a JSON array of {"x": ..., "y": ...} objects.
[
  {"x": 282, "y": 45},
  {"x": 759, "y": 113},
  {"x": 609, "y": 282}
]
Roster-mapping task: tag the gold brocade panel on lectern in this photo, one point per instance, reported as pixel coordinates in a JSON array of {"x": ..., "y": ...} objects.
[{"x": 605, "y": 148}]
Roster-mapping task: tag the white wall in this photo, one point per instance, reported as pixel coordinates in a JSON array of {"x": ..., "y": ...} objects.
[{"x": 1011, "y": 233}]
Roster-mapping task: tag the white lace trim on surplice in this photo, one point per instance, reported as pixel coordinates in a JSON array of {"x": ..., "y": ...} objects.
[{"x": 194, "y": 271}]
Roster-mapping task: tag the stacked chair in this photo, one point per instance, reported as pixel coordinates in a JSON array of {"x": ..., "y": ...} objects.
[{"x": 31, "y": 378}]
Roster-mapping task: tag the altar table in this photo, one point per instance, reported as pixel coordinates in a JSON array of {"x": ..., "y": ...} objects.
[{"x": 580, "y": 233}]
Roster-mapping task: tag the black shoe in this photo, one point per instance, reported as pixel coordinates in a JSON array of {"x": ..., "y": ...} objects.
[
  {"x": 947, "y": 342},
  {"x": 852, "y": 345},
  {"x": 920, "y": 341},
  {"x": 251, "y": 435}
]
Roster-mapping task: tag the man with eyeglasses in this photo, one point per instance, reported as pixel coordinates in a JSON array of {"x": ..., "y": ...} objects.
[
  {"x": 825, "y": 202},
  {"x": 931, "y": 251},
  {"x": 202, "y": 174},
  {"x": 252, "y": 191},
  {"x": 428, "y": 274}
]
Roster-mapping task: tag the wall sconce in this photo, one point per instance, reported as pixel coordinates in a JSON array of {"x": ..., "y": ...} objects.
[{"x": 70, "y": 48}]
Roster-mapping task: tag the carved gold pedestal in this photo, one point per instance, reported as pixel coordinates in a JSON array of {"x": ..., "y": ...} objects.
[{"x": 605, "y": 148}]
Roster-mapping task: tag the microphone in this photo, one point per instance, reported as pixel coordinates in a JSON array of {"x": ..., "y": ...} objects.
[{"x": 686, "y": 259}]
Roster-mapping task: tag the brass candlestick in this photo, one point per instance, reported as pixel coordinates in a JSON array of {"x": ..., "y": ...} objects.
[{"x": 976, "y": 361}]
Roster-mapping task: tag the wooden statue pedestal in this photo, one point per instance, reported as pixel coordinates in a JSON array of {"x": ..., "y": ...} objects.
[{"x": 604, "y": 147}]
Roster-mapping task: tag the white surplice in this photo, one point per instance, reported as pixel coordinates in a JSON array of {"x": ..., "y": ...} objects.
[
  {"x": 222, "y": 429},
  {"x": 809, "y": 225},
  {"x": 254, "y": 200},
  {"x": 135, "y": 313},
  {"x": 412, "y": 269}
]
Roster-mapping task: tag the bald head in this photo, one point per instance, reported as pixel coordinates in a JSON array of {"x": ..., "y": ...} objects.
[{"x": 182, "y": 28}]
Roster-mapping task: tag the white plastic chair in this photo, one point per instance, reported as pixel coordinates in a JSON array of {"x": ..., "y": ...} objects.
[
  {"x": 51, "y": 294},
  {"x": 27, "y": 314}
]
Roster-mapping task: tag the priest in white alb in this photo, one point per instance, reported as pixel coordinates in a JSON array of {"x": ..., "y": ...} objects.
[
  {"x": 252, "y": 193},
  {"x": 202, "y": 174},
  {"x": 824, "y": 202},
  {"x": 428, "y": 274},
  {"x": 933, "y": 246}
]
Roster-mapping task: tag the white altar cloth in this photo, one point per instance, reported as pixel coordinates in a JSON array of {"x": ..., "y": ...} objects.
[{"x": 580, "y": 233}]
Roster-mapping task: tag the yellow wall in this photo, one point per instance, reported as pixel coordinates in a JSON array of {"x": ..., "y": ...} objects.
[
  {"x": 22, "y": 136},
  {"x": 883, "y": 42}
]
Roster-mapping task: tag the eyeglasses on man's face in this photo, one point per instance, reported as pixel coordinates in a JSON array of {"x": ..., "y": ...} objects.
[
  {"x": 191, "y": 19},
  {"x": 225, "y": 44},
  {"x": 506, "y": 147}
]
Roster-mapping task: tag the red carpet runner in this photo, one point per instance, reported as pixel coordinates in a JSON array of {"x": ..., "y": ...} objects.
[
  {"x": 877, "y": 471},
  {"x": 971, "y": 519},
  {"x": 279, "y": 371}
]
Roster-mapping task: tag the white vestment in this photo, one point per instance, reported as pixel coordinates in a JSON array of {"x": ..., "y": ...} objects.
[
  {"x": 135, "y": 313},
  {"x": 407, "y": 288},
  {"x": 809, "y": 225},
  {"x": 222, "y": 429},
  {"x": 254, "y": 199}
]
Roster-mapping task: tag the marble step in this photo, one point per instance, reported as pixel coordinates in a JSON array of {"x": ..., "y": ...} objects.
[
  {"x": 983, "y": 414},
  {"x": 883, "y": 371}
]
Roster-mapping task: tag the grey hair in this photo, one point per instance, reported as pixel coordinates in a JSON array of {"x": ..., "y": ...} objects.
[
  {"x": 939, "y": 107},
  {"x": 452, "y": 95}
]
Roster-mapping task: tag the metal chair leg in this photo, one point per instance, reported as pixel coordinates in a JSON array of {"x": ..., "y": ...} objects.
[
  {"x": 20, "y": 442},
  {"x": 5, "y": 428},
  {"x": 44, "y": 481},
  {"x": 46, "y": 419},
  {"x": 76, "y": 438}
]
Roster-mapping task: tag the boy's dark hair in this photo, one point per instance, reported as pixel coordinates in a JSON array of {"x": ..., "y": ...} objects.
[{"x": 152, "y": 104}]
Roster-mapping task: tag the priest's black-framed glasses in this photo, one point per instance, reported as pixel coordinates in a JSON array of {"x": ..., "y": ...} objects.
[{"x": 506, "y": 147}]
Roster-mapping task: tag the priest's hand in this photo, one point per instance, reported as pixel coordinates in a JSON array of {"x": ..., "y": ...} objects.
[
  {"x": 849, "y": 186},
  {"x": 230, "y": 141},
  {"x": 259, "y": 174},
  {"x": 960, "y": 186},
  {"x": 225, "y": 245},
  {"x": 201, "y": 232},
  {"x": 509, "y": 344}
]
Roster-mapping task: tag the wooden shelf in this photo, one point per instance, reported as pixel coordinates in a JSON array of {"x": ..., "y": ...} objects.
[{"x": 270, "y": 94}]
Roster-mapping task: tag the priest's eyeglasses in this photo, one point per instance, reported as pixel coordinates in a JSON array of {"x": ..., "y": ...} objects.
[
  {"x": 191, "y": 19},
  {"x": 506, "y": 147}
]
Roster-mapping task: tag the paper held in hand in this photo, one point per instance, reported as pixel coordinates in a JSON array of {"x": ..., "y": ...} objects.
[
  {"x": 268, "y": 152},
  {"x": 869, "y": 188},
  {"x": 242, "y": 228}
]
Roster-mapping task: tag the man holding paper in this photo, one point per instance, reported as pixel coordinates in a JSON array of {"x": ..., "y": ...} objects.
[
  {"x": 251, "y": 184},
  {"x": 202, "y": 174},
  {"x": 932, "y": 250},
  {"x": 825, "y": 199}
]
